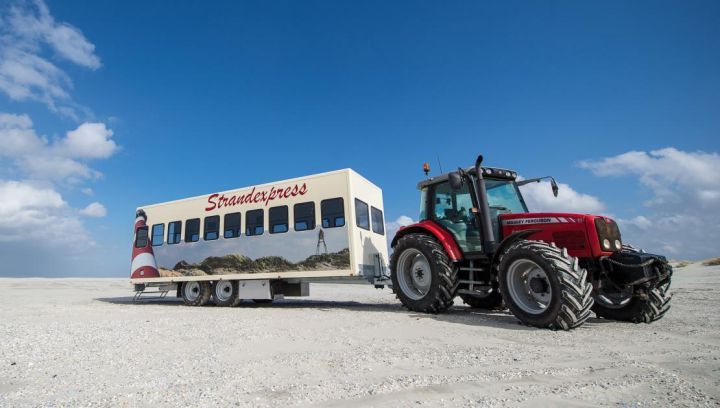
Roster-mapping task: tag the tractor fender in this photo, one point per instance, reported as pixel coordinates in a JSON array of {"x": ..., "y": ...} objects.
[
  {"x": 433, "y": 229},
  {"x": 509, "y": 240}
]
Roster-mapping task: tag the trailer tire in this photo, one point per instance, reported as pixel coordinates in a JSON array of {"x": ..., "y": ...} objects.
[
  {"x": 543, "y": 286},
  {"x": 490, "y": 301},
  {"x": 225, "y": 293},
  {"x": 428, "y": 281},
  {"x": 196, "y": 293},
  {"x": 638, "y": 310}
]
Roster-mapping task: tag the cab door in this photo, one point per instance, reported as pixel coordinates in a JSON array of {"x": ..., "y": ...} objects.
[{"x": 453, "y": 210}]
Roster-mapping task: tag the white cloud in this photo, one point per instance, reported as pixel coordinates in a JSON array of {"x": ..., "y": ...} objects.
[
  {"x": 39, "y": 215},
  {"x": 57, "y": 161},
  {"x": 89, "y": 140},
  {"x": 26, "y": 29},
  {"x": 392, "y": 227},
  {"x": 539, "y": 198},
  {"x": 94, "y": 210},
  {"x": 682, "y": 214},
  {"x": 87, "y": 191}
]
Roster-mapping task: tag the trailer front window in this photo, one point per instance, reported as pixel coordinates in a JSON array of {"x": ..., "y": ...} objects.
[
  {"x": 378, "y": 226},
  {"x": 141, "y": 238},
  {"x": 362, "y": 214}
]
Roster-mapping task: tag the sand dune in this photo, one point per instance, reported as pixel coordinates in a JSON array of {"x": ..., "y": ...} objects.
[{"x": 83, "y": 342}]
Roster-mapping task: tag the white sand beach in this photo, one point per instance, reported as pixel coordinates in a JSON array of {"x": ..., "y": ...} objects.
[{"x": 75, "y": 342}]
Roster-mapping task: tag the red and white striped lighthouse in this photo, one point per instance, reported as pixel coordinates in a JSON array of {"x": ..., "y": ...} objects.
[{"x": 143, "y": 258}]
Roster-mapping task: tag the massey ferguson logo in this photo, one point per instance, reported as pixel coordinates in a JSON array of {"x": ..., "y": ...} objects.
[
  {"x": 216, "y": 201},
  {"x": 543, "y": 220}
]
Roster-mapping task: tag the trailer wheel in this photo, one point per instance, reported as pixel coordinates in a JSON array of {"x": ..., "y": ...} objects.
[
  {"x": 491, "y": 301},
  {"x": 630, "y": 308},
  {"x": 196, "y": 293},
  {"x": 543, "y": 286},
  {"x": 225, "y": 293},
  {"x": 422, "y": 275}
]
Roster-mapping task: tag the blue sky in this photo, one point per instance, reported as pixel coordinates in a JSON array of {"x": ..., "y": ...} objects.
[{"x": 620, "y": 101}]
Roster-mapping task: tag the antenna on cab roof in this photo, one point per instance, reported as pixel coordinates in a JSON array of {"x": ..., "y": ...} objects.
[{"x": 439, "y": 164}]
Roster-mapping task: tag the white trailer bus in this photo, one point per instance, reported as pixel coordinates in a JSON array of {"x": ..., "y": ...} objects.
[{"x": 262, "y": 242}]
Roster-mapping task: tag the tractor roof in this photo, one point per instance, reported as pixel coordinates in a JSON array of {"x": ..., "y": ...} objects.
[{"x": 488, "y": 172}]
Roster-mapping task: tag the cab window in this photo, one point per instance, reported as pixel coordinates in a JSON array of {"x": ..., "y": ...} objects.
[{"x": 453, "y": 210}]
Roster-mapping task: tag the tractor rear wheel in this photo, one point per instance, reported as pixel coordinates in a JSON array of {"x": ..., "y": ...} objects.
[
  {"x": 423, "y": 276},
  {"x": 491, "y": 300},
  {"x": 631, "y": 308},
  {"x": 543, "y": 286}
]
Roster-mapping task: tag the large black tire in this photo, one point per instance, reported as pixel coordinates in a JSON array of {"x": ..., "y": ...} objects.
[
  {"x": 443, "y": 282},
  {"x": 554, "y": 274},
  {"x": 639, "y": 310},
  {"x": 196, "y": 293},
  {"x": 490, "y": 301},
  {"x": 225, "y": 293}
]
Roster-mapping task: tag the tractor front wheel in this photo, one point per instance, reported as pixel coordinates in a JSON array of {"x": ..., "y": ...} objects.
[
  {"x": 422, "y": 275},
  {"x": 543, "y": 286},
  {"x": 629, "y": 307}
]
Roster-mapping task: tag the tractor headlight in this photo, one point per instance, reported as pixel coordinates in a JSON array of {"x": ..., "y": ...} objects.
[{"x": 608, "y": 234}]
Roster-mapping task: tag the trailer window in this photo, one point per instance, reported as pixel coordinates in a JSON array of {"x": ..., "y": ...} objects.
[
  {"x": 158, "y": 233},
  {"x": 174, "y": 232},
  {"x": 304, "y": 216},
  {"x": 141, "y": 237},
  {"x": 192, "y": 230},
  {"x": 362, "y": 217},
  {"x": 278, "y": 219},
  {"x": 332, "y": 212},
  {"x": 254, "y": 221},
  {"x": 212, "y": 227},
  {"x": 232, "y": 225},
  {"x": 378, "y": 226}
]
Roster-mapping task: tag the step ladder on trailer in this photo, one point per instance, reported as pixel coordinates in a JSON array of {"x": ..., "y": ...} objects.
[{"x": 144, "y": 292}]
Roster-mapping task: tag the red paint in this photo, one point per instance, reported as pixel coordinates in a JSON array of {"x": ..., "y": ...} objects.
[
  {"x": 551, "y": 223},
  {"x": 143, "y": 271},
  {"x": 216, "y": 201},
  {"x": 441, "y": 234}
]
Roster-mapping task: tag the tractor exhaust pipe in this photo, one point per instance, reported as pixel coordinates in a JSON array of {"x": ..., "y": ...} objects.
[{"x": 488, "y": 235}]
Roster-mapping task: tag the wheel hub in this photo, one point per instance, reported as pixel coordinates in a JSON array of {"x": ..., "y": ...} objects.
[
  {"x": 529, "y": 286},
  {"x": 539, "y": 285},
  {"x": 414, "y": 274}
]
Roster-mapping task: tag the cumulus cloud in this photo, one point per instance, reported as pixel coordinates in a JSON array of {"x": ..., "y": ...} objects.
[
  {"x": 682, "y": 214},
  {"x": 26, "y": 29},
  {"x": 94, "y": 210},
  {"x": 37, "y": 214},
  {"x": 60, "y": 160},
  {"x": 539, "y": 198}
]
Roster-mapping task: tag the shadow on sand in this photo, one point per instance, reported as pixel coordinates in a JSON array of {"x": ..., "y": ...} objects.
[{"x": 457, "y": 315}]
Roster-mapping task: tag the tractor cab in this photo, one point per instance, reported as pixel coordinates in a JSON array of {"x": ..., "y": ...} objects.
[{"x": 454, "y": 207}]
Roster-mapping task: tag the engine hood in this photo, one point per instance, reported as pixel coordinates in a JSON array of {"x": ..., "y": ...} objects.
[{"x": 583, "y": 235}]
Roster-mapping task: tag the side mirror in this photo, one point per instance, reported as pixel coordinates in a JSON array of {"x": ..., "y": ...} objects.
[
  {"x": 554, "y": 186},
  {"x": 456, "y": 180}
]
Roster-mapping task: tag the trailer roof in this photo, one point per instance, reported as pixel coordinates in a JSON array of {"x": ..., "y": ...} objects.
[{"x": 271, "y": 183}]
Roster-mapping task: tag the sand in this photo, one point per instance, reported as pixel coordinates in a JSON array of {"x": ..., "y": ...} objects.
[{"x": 83, "y": 342}]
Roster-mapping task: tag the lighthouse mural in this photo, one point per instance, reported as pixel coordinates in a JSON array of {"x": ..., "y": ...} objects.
[{"x": 143, "y": 258}]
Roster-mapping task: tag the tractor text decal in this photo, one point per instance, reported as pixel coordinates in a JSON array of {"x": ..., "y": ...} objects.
[
  {"x": 544, "y": 220},
  {"x": 220, "y": 200}
]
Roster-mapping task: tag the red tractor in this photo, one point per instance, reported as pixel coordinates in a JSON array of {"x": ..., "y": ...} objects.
[{"x": 476, "y": 239}]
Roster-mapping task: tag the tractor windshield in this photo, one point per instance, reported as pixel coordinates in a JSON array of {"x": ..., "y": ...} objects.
[{"x": 504, "y": 196}]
